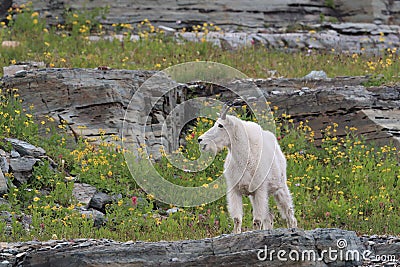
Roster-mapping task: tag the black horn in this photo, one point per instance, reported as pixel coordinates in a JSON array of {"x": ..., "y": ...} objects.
[
  {"x": 224, "y": 110},
  {"x": 228, "y": 105}
]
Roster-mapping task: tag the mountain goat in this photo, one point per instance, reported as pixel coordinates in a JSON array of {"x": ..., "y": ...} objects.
[{"x": 255, "y": 166}]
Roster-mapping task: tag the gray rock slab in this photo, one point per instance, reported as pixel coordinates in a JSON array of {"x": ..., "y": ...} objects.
[
  {"x": 24, "y": 148},
  {"x": 23, "y": 164},
  {"x": 4, "y": 165},
  {"x": 3, "y": 184},
  {"x": 316, "y": 74},
  {"x": 256, "y": 248},
  {"x": 13, "y": 69},
  {"x": 387, "y": 249},
  {"x": 22, "y": 67},
  {"x": 21, "y": 178},
  {"x": 14, "y": 154}
]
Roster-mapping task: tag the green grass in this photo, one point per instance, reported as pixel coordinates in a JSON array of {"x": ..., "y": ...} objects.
[{"x": 346, "y": 183}]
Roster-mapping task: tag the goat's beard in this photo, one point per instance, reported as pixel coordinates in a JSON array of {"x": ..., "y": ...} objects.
[{"x": 209, "y": 147}]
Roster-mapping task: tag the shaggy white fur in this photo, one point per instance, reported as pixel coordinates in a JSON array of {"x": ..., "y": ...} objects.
[{"x": 255, "y": 166}]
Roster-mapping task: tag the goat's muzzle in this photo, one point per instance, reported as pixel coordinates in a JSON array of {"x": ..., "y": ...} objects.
[{"x": 203, "y": 145}]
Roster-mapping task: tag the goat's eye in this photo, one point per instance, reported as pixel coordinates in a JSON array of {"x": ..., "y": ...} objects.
[{"x": 220, "y": 126}]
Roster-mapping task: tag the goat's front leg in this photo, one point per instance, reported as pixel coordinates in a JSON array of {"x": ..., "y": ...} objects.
[
  {"x": 284, "y": 202},
  {"x": 262, "y": 218},
  {"x": 235, "y": 208}
]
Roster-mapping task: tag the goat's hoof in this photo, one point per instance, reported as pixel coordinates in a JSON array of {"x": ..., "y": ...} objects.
[
  {"x": 237, "y": 228},
  {"x": 257, "y": 225}
]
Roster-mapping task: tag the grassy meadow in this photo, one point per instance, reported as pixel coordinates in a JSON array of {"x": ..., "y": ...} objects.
[{"x": 345, "y": 183}]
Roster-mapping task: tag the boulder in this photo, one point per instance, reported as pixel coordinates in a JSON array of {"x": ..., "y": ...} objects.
[
  {"x": 26, "y": 149},
  {"x": 20, "y": 69},
  {"x": 22, "y": 168},
  {"x": 99, "y": 201},
  {"x": 3, "y": 184},
  {"x": 83, "y": 193},
  {"x": 14, "y": 154},
  {"x": 22, "y": 164},
  {"x": 10, "y": 44},
  {"x": 316, "y": 74},
  {"x": 4, "y": 165},
  {"x": 4, "y": 6}
]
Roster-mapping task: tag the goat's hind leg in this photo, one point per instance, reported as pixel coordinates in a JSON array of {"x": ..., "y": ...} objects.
[
  {"x": 285, "y": 206},
  {"x": 235, "y": 208},
  {"x": 262, "y": 218}
]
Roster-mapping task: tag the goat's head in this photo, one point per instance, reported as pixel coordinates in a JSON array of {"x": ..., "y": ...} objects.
[{"x": 218, "y": 136}]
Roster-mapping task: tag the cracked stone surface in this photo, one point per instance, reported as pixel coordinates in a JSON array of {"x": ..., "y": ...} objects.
[{"x": 246, "y": 249}]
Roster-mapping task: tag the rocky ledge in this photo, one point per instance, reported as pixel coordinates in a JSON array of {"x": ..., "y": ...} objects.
[
  {"x": 368, "y": 26},
  {"x": 230, "y": 14},
  {"x": 334, "y": 38},
  {"x": 278, "y": 247},
  {"x": 349, "y": 38}
]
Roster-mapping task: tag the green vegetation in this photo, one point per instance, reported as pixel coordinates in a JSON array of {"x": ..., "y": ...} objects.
[
  {"x": 330, "y": 3},
  {"x": 345, "y": 183}
]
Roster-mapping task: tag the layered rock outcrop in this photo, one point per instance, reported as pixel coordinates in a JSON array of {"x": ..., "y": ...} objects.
[
  {"x": 90, "y": 100},
  {"x": 228, "y": 14}
]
